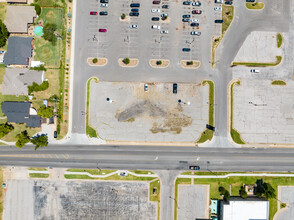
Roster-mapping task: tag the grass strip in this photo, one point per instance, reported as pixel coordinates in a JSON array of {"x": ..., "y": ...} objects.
[
  {"x": 91, "y": 132},
  {"x": 279, "y": 82},
  {"x": 91, "y": 171},
  {"x": 39, "y": 175},
  {"x": 38, "y": 168},
  {"x": 228, "y": 16},
  {"x": 141, "y": 171},
  {"x": 255, "y": 5},
  {"x": 279, "y": 40},
  {"x": 234, "y": 133},
  {"x": 278, "y": 61},
  {"x": 179, "y": 181},
  {"x": 155, "y": 197},
  {"x": 112, "y": 177}
]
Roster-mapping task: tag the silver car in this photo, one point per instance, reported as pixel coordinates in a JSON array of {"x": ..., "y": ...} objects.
[{"x": 198, "y": 33}]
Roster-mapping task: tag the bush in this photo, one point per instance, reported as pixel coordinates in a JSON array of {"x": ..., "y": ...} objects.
[
  {"x": 126, "y": 61},
  {"x": 221, "y": 190},
  {"x": 227, "y": 195},
  {"x": 49, "y": 34},
  {"x": 39, "y": 68},
  {"x": 283, "y": 205},
  {"x": 5, "y": 129},
  {"x": 45, "y": 112},
  {"x": 123, "y": 16},
  {"x": 54, "y": 98},
  {"x": 243, "y": 192},
  {"x": 159, "y": 62},
  {"x": 189, "y": 63},
  {"x": 37, "y": 9},
  {"x": 95, "y": 60},
  {"x": 3, "y": 34},
  {"x": 35, "y": 87}
]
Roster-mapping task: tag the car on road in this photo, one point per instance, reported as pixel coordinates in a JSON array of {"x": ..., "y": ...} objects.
[
  {"x": 186, "y": 49},
  {"x": 218, "y": 8},
  {"x": 219, "y": 21},
  {"x": 186, "y": 19},
  {"x": 186, "y": 3},
  {"x": 135, "y": 10},
  {"x": 197, "y": 33},
  {"x": 93, "y": 12},
  {"x": 155, "y": 18},
  {"x": 132, "y": 26},
  {"x": 103, "y": 5},
  {"x": 196, "y": 3},
  {"x": 134, "y": 14},
  {"x": 155, "y": 27},
  {"x": 103, "y": 13},
  {"x": 186, "y": 16},
  {"x": 164, "y": 32},
  {"x": 194, "y": 24},
  {"x": 135, "y": 5},
  {"x": 228, "y": 2},
  {"x": 175, "y": 88},
  {"x": 154, "y": 10},
  {"x": 156, "y": 2},
  {"x": 145, "y": 87},
  {"x": 194, "y": 167},
  {"x": 196, "y": 12},
  {"x": 195, "y": 20},
  {"x": 165, "y": 6},
  {"x": 254, "y": 71},
  {"x": 102, "y": 30}
]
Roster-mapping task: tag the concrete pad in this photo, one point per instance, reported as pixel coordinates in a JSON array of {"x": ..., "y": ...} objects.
[
  {"x": 193, "y": 201},
  {"x": 287, "y": 196},
  {"x": 132, "y": 114}
]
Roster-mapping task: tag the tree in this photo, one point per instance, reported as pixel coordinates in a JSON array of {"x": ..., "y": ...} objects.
[
  {"x": 45, "y": 112},
  {"x": 35, "y": 87},
  {"x": 243, "y": 192},
  {"x": 5, "y": 129},
  {"x": 95, "y": 60},
  {"x": 22, "y": 139},
  {"x": 221, "y": 190},
  {"x": 227, "y": 195},
  {"x": 4, "y": 34},
  {"x": 49, "y": 34},
  {"x": 123, "y": 16},
  {"x": 37, "y": 9},
  {"x": 265, "y": 189},
  {"x": 126, "y": 61},
  {"x": 40, "y": 141}
]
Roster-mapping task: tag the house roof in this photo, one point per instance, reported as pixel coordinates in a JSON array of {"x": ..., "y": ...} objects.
[
  {"x": 18, "y": 112},
  {"x": 18, "y": 17},
  {"x": 16, "y": 80},
  {"x": 19, "y": 50}
]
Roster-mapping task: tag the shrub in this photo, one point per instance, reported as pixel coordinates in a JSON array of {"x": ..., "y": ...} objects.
[
  {"x": 3, "y": 34},
  {"x": 39, "y": 68},
  {"x": 45, "y": 112},
  {"x": 243, "y": 192},
  {"x": 159, "y": 62},
  {"x": 5, "y": 129},
  {"x": 227, "y": 195},
  {"x": 126, "y": 61},
  {"x": 37, "y": 9},
  {"x": 123, "y": 16},
  {"x": 221, "y": 190},
  {"x": 35, "y": 87},
  {"x": 189, "y": 63},
  {"x": 95, "y": 60}
]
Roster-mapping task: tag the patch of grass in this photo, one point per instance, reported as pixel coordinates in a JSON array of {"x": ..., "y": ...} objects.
[
  {"x": 141, "y": 171},
  {"x": 255, "y": 5},
  {"x": 112, "y": 177},
  {"x": 215, "y": 42},
  {"x": 1, "y": 193},
  {"x": 3, "y": 6},
  {"x": 283, "y": 205},
  {"x": 228, "y": 16},
  {"x": 279, "y": 40},
  {"x": 179, "y": 181},
  {"x": 2, "y": 72},
  {"x": 91, "y": 171},
  {"x": 234, "y": 133},
  {"x": 18, "y": 128},
  {"x": 91, "y": 132},
  {"x": 55, "y": 3},
  {"x": 279, "y": 82},
  {"x": 278, "y": 61},
  {"x": 39, "y": 175},
  {"x": 38, "y": 168},
  {"x": 53, "y": 79},
  {"x": 155, "y": 197}
]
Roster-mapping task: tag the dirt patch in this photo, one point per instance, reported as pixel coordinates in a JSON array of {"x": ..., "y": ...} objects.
[
  {"x": 159, "y": 63},
  {"x": 133, "y": 62},
  {"x": 100, "y": 62},
  {"x": 188, "y": 65}
]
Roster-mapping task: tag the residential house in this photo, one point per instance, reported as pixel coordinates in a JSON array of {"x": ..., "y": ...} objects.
[
  {"x": 18, "y": 18},
  {"x": 19, "y": 51},
  {"x": 17, "y": 80},
  {"x": 21, "y": 112}
]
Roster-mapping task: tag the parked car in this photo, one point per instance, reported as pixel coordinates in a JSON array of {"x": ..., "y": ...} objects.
[
  {"x": 175, "y": 88},
  {"x": 218, "y": 8},
  {"x": 102, "y": 30},
  {"x": 155, "y": 27},
  {"x": 218, "y": 21},
  {"x": 197, "y": 33},
  {"x": 196, "y": 3},
  {"x": 135, "y": 10},
  {"x": 93, "y": 12},
  {"x": 250, "y": 0},
  {"x": 194, "y": 167},
  {"x": 154, "y": 10},
  {"x": 194, "y": 24},
  {"x": 186, "y": 49},
  {"x": 196, "y": 12},
  {"x": 135, "y": 5},
  {"x": 186, "y": 19},
  {"x": 228, "y": 2},
  {"x": 164, "y": 15},
  {"x": 145, "y": 87},
  {"x": 195, "y": 20},
  {"x": 103, "y": 13},
  {"x": 156, "y": 2},
  {"x": 103, "y": 5},
  {"x": 186, "y": 16},
  {"x": 186, "y": 3},
  {"x": 254, "y": 71},
  {"x": 164, "y": 32},
  {"x": 155, "y": 18},
  {"x": 55, "y": 134},
  {"x": 134, "y": 14},
  {"x": 165, "y": 6},
  {"x": 132, "y": 26},
  {"x": 103, "y": 1}
]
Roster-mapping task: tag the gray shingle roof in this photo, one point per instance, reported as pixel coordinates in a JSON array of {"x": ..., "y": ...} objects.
[
  {"x": 19, "y": 50},
  {"x": 18, "y": 112}
]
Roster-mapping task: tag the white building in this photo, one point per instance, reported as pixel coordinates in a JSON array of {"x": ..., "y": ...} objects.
[{"x": 245, "y": 210}]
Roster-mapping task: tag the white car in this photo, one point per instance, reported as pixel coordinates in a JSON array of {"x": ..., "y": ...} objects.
[
  {"x": 194, "y": 20},
  {"x": 254, "y": 71},
  {"x": 154, "y": 10},
  {"x": 155, "y": 27},
  {"x": 104, "y": 5},
  {"x": 132, "y": 26},
  {"x": 197, "y": 33},
  {"x": 164, "y": 32},
  {"x": 218, "y": 8}
]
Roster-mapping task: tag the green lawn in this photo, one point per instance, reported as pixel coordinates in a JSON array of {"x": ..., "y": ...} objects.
[
  {"x": 179, "y": 181},
  {"x": 279, "y": 40},
  {"x": 112, "y": 177},
  {"x": 18, "y": 128},
  {"x": 38, "y": 168},
  {"x": 278, "y": 61},
  {"x": 141, "y": 171},
  {"x": 255, "y": 5},
  {"x": 228, "y": 16},
  {"x": 91, "y": 132},
  {"x": 3, "y": 11},
  {"x": 39, "y": 175},
  {"x": 155, "y": 197},
  {"x": 279, "y": 82},
  {"x": 57, "y": 3},
  {"x": 2, "y": 72},
  {"x": 93, "y": 172}
]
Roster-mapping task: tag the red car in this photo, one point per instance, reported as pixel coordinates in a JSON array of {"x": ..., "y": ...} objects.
[
  {"x": 93, "y": 13},
  {"x": 156, "y": 2},
  {"x": 196, "y": 12},
  {"x": 102, "y": 30}
]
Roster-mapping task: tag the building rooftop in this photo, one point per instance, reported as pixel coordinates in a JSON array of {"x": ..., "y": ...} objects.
[{"x": 18, "y": 17}]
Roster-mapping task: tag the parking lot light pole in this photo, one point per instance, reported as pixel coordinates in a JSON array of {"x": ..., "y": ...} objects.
[{"x": 175, "y": 201}]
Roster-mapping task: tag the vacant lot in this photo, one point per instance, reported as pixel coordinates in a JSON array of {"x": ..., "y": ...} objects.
[{"x": 156, "y": 115}]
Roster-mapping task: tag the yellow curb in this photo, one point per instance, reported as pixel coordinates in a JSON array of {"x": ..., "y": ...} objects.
[
  {"x": 196, "y": 64},
  {"x": 100, "y": 62},
  {"x": 133, "y": 62},
  {"x": 165, "y": 63}
]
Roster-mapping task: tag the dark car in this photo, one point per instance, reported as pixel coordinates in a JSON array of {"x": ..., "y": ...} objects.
[
  {"x": 186, "y": 49},
  {"x": 155, "y": 18},
  {"x": 194, "y": 167},
  {"x": 156, "y": 2},
  {"x": 250, "y": 0},
  {"x": 103, "y": 1},
  {"x": 135, "y": 5},
  {"x": 102, "y": 30},
  {"x": 165, "y": 6},
  {"x": 194, "y": 24},
  {"x": 186, "y": 19},
  {"x": 196, "y": 12},
  {"x": 103, "y": 13},
  {"x": 175, "y": 88},
  {"x": 93, "y": 12},
  {"x": 134, "y": 14},
  {"x": 218, "y": 21},
  {"x": 135, "y": 10},
  {"x": 228, "y": 2},
  {"x": 186, "y": 3},
  {"x": 55, "y": 134},
  {"x": 186, "y": 16}
]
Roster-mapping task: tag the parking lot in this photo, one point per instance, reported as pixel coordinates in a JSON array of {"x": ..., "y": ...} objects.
[
  {"x": 264, "y": 113},
  {"x": 286, "y": 196},
  {"x": 125, "y": 112},
  {"x": 165, "y": 40},
  {"x": 44, "y": 199}
]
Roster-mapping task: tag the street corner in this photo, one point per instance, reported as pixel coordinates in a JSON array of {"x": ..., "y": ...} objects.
[{"x": 148, "y": 112}]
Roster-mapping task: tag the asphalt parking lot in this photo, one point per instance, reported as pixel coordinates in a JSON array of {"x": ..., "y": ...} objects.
[
  {"x": 287, "y": 196},
  {"x": 44, "y": 199},
  {"x": 131, "y": 114},
  {"x": 264, "y": 113}
]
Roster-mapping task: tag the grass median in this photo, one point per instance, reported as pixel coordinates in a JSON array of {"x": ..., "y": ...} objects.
[
  {"x": 91, "y": 171},
  {"x": 278, "y": 61},
  {"x": 91, "y": 132},
  {"x": 255, "y": 5},
  {"x": 154, "y": 194},
  {"x": 279, "y": 82},
  {"x": 279, "y": 40},
  {"x": 39, "y": 175}
]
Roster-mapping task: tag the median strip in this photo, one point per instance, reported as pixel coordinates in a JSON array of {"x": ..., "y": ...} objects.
[{"x": 278, "y": 61}]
